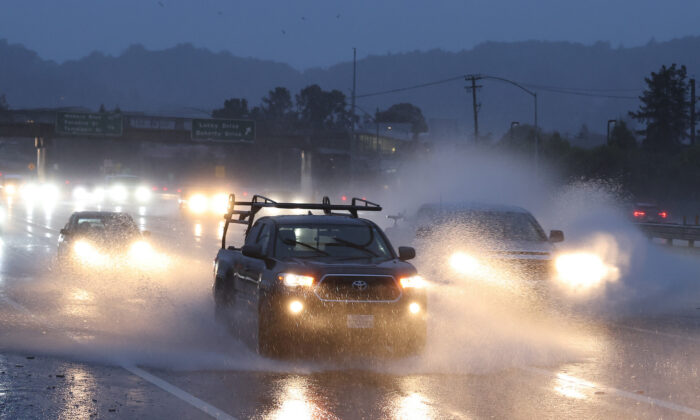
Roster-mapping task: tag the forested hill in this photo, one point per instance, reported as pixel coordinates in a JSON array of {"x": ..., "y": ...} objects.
[{"x": 577, "y": 84}]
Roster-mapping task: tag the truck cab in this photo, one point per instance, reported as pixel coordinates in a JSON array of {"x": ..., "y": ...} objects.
[{"x": 326, "y": 278}]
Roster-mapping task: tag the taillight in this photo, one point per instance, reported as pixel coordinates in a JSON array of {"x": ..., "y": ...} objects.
[
  {"x": 344, "y": 198},
  {"x": 165, "y": 188},
  {"x": 154, "y": 188},
  {"x": 663, "y": 214},
  {"x": 639, "y": 213}
]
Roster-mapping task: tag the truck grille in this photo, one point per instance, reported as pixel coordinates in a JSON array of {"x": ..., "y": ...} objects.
[
  {"x": 358, "y": 288},
  {"x": 533, "y": 269}
]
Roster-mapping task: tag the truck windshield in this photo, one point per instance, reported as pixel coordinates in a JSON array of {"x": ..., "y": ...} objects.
[
  {"x": 500, "y": 226},
  {"x": 340, "y": 242}
]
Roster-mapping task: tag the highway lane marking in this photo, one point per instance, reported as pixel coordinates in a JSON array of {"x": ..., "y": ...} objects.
[
  {"x": 179, "y": 393},
  {"x": 660, "y": 333},
  {"x": 614, "y": 391},
  {"x": 154, "y": 380}
]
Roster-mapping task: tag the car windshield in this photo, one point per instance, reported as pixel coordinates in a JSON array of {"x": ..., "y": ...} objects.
[
  {"x": 332, "y": 241},
  {"x": 499, "y": 226},
  {"x": 118, "y": 224}
]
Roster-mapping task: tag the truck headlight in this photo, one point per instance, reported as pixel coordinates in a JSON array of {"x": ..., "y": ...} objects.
[
  {"x": 464, "y": 263},
  {"x": 294, "y": 280},
  {"x": 414, "y": 282}
]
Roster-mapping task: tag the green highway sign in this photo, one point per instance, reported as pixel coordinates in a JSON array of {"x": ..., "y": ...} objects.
[
  {"x": 227, "y": 130},
  {"x": 103, "y": 124}
]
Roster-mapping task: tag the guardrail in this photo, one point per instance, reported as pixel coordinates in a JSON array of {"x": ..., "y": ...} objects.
[{"x": 670, "y": 232}]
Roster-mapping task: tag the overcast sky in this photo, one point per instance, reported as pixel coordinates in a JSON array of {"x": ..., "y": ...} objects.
[{"x": 307, "y": 33}]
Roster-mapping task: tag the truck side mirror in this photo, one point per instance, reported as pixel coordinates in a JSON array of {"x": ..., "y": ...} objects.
[
  {"x": 64, "y": 232},
  {"x": 406, "y": 253},
  {"x": 146, "y": 233},
  {"x": 252, "y": 251},
  {"x": 556, "y": 236}
]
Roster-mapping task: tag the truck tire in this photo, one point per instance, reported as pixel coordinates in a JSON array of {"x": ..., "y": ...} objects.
[{"x": 223, "y": 300}]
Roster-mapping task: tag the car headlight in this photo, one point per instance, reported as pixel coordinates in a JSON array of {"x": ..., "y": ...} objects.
[
  {"x": 49, "y": 192},
  {"x": 10, "y": 189},
  {"x": 80, "y": 193},
  {"x": 118, "y": 193},
  {"x": 142, "y": 194},
  {"x": 141, "y": 251},
  {"x": 464, "y": 263},
  {"x": 98, "y": 195},
  {"x": 580, "y": 270},
  {"x": 219, "y": 203},
  {"x": 294, "y": 280},
  {"x": 87, "y": 253},
  {"x": 414, "y": 282},
  {"x": 197, "y": 203}
]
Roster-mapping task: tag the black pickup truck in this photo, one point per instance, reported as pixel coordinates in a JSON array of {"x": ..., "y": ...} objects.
[{"x": 318, "y": 278}]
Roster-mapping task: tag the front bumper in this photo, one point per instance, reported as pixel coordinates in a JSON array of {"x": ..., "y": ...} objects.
[{"x": 402, "y": 320}]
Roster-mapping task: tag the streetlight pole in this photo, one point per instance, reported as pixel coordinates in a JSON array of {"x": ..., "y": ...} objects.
[{"x": 534, "y": 96}]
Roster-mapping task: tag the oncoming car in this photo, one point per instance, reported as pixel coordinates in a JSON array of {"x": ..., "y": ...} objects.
[
  {"x": 100, "y": 239},
  {"x": 318, "y": 278},
  {"x": 493, "y": 243}
]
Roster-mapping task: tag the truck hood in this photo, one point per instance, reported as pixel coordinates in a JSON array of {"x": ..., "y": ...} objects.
[{"x": 391, "y": 267}]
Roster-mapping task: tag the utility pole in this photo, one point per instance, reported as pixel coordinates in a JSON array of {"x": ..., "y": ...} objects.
[
  {"x": 692, "y": 112},
  {"x": 475, "y": 106}
]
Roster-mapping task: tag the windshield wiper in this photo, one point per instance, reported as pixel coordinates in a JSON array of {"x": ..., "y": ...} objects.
[
  {"x": 295, "y": 242},
  {"x": 353, "y": 245}
]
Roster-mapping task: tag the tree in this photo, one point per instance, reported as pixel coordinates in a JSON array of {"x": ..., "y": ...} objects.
[
  {"x": 664, "y": 109},
  {"x": 4, "y": 106},
  {"x": 233, "y": 108},
  {"x": 622, "y": 137},
  {"x": 277, "y": 105},
  {"x": 321, "y": 109},
  {"x": 404, "y": 113},
  {"x": 102, "y": 109}
]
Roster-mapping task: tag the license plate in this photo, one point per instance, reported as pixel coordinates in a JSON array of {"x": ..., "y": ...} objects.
[{"x": 360, "y": 321}]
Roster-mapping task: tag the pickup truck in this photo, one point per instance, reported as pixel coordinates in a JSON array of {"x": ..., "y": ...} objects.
[{"x": 318, "y": 278}]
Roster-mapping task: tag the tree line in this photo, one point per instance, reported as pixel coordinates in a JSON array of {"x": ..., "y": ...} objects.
[
  {"x": 315, "y": 108},
  {"x": 656, "y": 163}
]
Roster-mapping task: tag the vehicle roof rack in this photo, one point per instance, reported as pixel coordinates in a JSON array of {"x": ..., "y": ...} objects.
[{"x": 259, "y": 202}]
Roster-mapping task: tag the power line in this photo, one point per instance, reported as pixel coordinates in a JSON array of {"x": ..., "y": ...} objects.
[
  {"x": 422, "y": 85},
  {"x": 589, "y": 92}
]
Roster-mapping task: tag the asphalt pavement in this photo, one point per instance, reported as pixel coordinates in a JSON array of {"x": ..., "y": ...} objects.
[{"x": 124, "y": 344}]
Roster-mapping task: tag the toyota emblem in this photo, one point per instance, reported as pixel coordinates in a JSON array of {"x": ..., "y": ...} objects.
[{"x": 359, "y": 285}]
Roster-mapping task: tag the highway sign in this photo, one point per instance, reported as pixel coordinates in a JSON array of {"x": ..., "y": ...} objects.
[
  {"x": 82, "y": 123},
  {"x": 227, "y": 130}
]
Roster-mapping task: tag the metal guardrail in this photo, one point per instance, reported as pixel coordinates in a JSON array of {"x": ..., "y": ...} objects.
[{"x": 669, "y": 232}]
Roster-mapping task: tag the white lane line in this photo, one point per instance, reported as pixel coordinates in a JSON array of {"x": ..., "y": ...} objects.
[
  {"x": 179, "y": 393},
  {"x": 165, "y": 386},
  {"x": 659, "y": 333},
  {"x": 614, "y": 391}
]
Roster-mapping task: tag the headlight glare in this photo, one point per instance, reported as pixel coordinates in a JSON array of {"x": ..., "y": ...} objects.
[
  {"x": 294, "y": 280},
  {"x": 414, "y": 282}
]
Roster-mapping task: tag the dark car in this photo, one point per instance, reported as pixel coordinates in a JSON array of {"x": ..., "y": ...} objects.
[
  {"x": 100, "y": 238},
  {"x": 649, "y": 213},
  {"x": 325, "y": 278}
]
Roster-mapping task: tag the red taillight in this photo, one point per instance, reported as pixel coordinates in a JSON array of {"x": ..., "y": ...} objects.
[
  {"x": 154, "y": 188},
  {"x": 165, "y": 188},
  {"x": 639, "y": 213},
  {"x": 663, "y": 214},
  {"x": 179, "y": 190},
  {"x": 344, "y": 198},
  {"x": 245, "y": 193},
  {"x": 67, "y": 182}
]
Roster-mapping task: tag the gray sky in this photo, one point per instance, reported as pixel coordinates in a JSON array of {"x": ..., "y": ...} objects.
[{"x": 307, "y": 33}]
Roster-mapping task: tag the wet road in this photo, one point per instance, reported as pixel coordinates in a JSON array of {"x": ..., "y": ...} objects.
[{"x": 134, "y": 345}]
